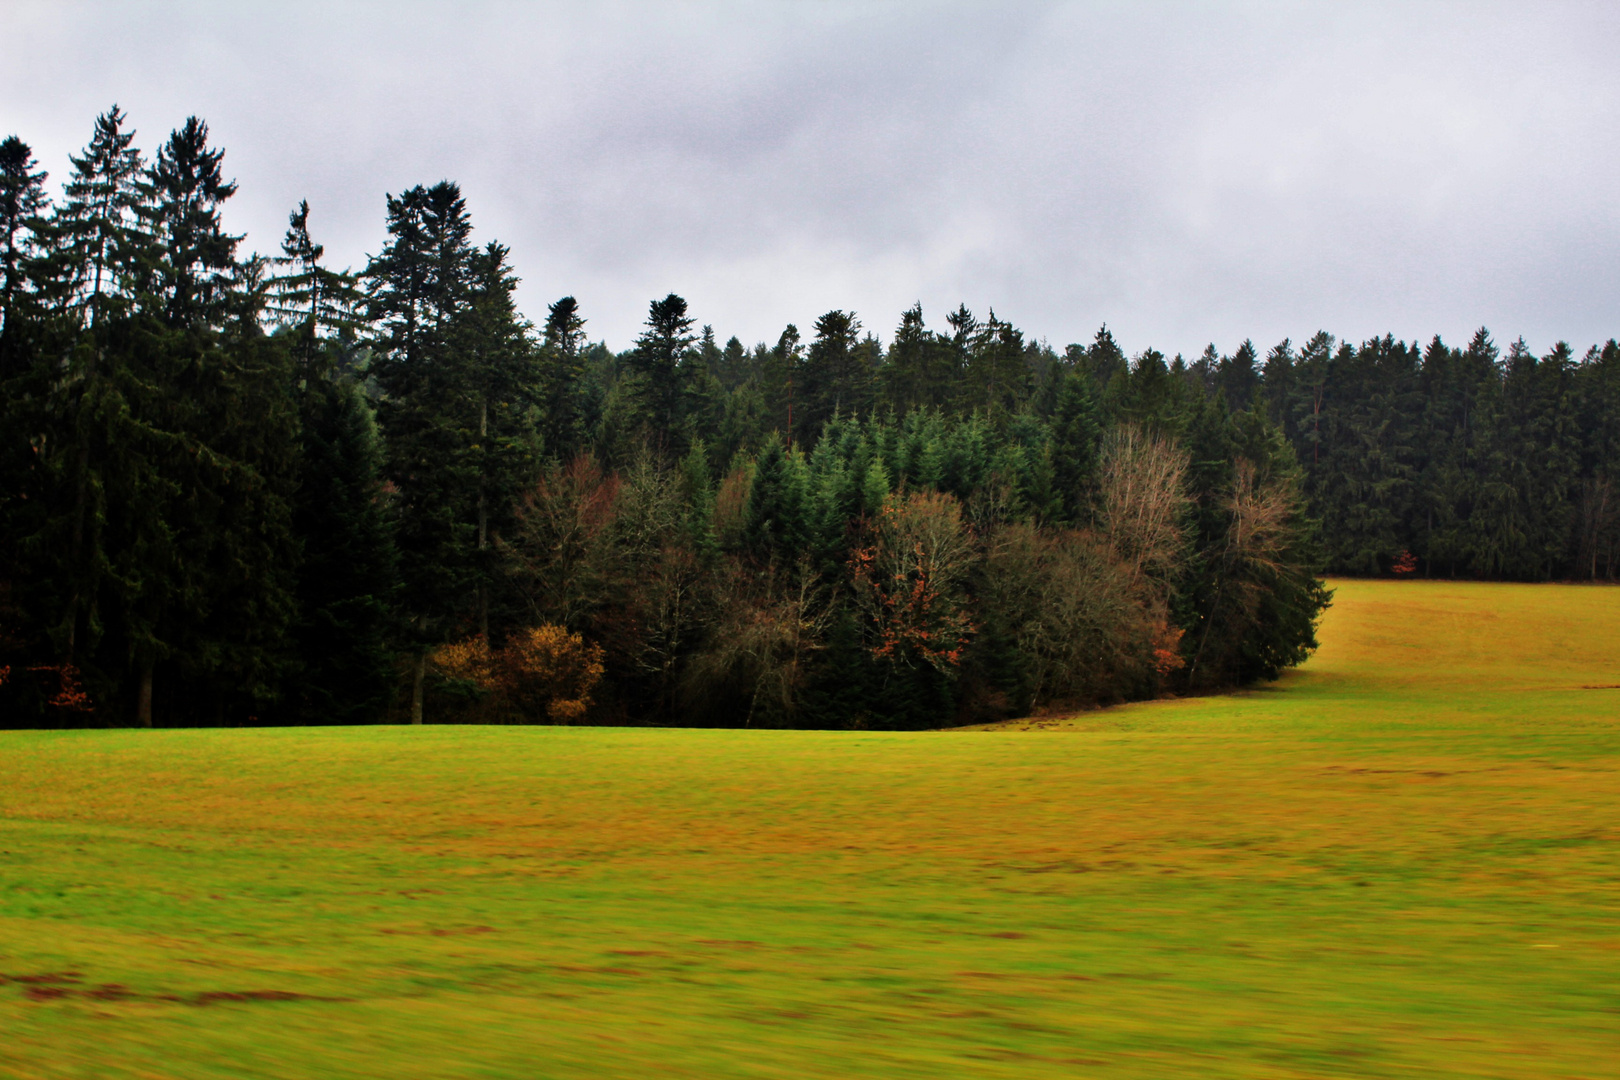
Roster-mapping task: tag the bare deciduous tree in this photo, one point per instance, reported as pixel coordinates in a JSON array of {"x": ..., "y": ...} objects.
[{"x": 1141, "y": 504}]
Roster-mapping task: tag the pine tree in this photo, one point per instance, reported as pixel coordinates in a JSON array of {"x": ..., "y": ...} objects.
[
  {"x": 22, "y": 200},
  {"x": 223, "y": 560},
  {"x": 346, "y": 574},
  {"x": 837, "y": 377},
  {"x": 502, "y": 373},
  {"x": 428, "y": 414},
  {"x": 316, "y": 304},
  {"x": 92, "y": 427},
  {"x": 1238, "y": 377},
  {"x": 997, "y": 374},
  {"x": 1105, "y": 360},
  {"x": 920, "y": 371},
  {"x": 656, "y": 371},
  {"x": 562, "y": 371},
  {"x": 193, "y": 272},
  {"x": 774, "y": 526},
  {"x": 346, "y": 580},
  {"x": 1076, "y": 433}
]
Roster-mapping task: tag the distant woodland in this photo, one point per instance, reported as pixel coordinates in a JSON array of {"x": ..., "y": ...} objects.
[{"x": 240, "y": 489}]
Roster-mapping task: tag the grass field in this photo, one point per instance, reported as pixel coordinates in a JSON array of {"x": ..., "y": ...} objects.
[{"x": 1402, "y": 860}]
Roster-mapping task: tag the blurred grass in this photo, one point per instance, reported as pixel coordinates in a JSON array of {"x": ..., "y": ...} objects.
[{"x": 1401, "y": 860}]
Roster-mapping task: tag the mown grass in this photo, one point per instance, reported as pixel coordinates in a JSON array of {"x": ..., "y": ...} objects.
[{"x": 1401, "y": 860}]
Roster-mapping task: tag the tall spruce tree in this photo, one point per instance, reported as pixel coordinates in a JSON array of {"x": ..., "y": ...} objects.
[
  {"x": 93, "y": 426},
  {"x": 223, "y": 391},
  {"x": 837, "y": 375},
  {"x": 658, "y": 374},
  {"x": 419, "y": 282},
  {"x": 1076, "y": 436},
  {"x": 502, "y": 372},
  {"x": 346, "y": 576},
  {"x": 22, "y": 199},
  {"x": 562, "y": 371}
]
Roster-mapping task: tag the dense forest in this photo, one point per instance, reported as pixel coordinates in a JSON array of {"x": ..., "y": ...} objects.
[{"x": 238, "y": 489}]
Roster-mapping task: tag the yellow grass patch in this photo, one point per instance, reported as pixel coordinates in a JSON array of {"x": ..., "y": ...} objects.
[{"x": 1399, "y": 860}]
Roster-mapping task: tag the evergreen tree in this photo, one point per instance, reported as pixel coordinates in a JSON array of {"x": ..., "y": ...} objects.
[
  {"x": 920, "y": 371},
  {"x": 501, "y": 372},
  {"x": 224, "y": 556},
  {"x": 428, "y": 412},
  {"x": 22, "y": 199},
  {"x": 93, "y": 427},
  {"x": 315, "y": 303},
  {"x": 196, "y": 258},
  {"x": 655, "y": 366},
  {"x": 774, "y": 528},
  {"x": 346, "y": 574},
  {"x": 346, "y": 582},
  {"x": 1238, "y": 377},
  {"x": 837, "y": 374},
  {"x": 562, "y": 373},
  {"x": 1076, "y": 433},
  {"x": 1105, "y": 359},
  {"x": 998, "y": 377}
]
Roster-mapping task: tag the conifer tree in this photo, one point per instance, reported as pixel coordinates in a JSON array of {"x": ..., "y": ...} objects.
[
  {"x": 503, "y": 374},
  {"x": 346, "y": 574},
  {"x": 428, "y": 417},
  {"x": 318, "y": 305},
  {"x": 657, "y": 370},
  {"x": 920, "y": 372},
  {"x": 1075, "y": 436},
  {"x": 22, "y": 200},
  {"x": 224, "y": 558},
  {"x": 192, "y": 275},
  {"x": 774, "y": 525},
  {"x": 1238, "y": 377},
  {"x": 346, "y": 579},
  {"x": 1105, "y": 360},
  {"x": 837, "y": 375},
  {"x": 996, "y": 373},
  {"x": 562, "y": 370},
  {"x": 95, "y": 422}
]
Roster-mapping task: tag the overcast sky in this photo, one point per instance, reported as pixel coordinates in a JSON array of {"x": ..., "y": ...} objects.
[{"x": 1185, "y": 172}]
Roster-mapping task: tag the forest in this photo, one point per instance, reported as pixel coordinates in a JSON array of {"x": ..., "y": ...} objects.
[{"x": 238, "y": 489}]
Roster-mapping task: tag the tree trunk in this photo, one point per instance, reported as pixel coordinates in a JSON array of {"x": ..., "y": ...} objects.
[
  {"x": 143, "y": 696},
  {"x": 416, "y": 688}
]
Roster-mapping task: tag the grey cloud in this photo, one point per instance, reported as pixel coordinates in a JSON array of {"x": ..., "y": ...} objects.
[{"x": 1185, "y": 172}]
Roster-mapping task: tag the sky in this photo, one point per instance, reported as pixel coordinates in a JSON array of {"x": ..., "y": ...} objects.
[{"x": 1187, "y": 173}]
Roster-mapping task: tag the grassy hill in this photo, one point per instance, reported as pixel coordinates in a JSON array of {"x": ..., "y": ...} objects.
[{"x": 1401, "y": 860}]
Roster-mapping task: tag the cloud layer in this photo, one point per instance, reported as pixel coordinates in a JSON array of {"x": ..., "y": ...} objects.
[{"x": 1188, "y": 173}]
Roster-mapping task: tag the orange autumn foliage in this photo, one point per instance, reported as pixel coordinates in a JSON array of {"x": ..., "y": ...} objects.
[{"x": 543, "y": 669}]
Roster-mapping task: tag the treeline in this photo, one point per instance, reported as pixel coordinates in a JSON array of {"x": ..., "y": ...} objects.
[
  {"x": 1449, "y": 462},
  {"x": 237, "y": 489}
]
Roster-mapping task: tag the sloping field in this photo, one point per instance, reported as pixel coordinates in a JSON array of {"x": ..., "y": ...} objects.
[{"x": 1403, "y": 860}]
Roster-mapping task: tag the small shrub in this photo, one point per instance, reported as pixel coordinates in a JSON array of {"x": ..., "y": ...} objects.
[{"x": 541, "y": 670}]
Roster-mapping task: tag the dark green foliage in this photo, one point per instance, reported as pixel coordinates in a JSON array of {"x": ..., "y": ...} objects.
[
  {"x": 458, "y": 374},
  {"x": 1468, "y": 462},
  {"x": 22, "y": 198},
  {"x": 347, "y": 578},
  {"x": 922, "y": 369},
  {"x": 1366, "y": 479},
  {"x": 659, "y": 383},
  {"x": 774, "y": 527},
  {"x": 561, "y": 383},
  {"x": 1076, "y": 430},
  {"x": 195, "y": 259},
  {"x": 201, "y": 524},
  {"x": 836, "y": 377}
]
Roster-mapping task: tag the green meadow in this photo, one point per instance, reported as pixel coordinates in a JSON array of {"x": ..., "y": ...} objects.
[{"x": 1401, "y": 860}]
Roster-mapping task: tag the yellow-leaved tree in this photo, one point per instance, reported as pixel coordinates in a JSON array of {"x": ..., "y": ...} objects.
[{"x": 542, "y": 673}]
